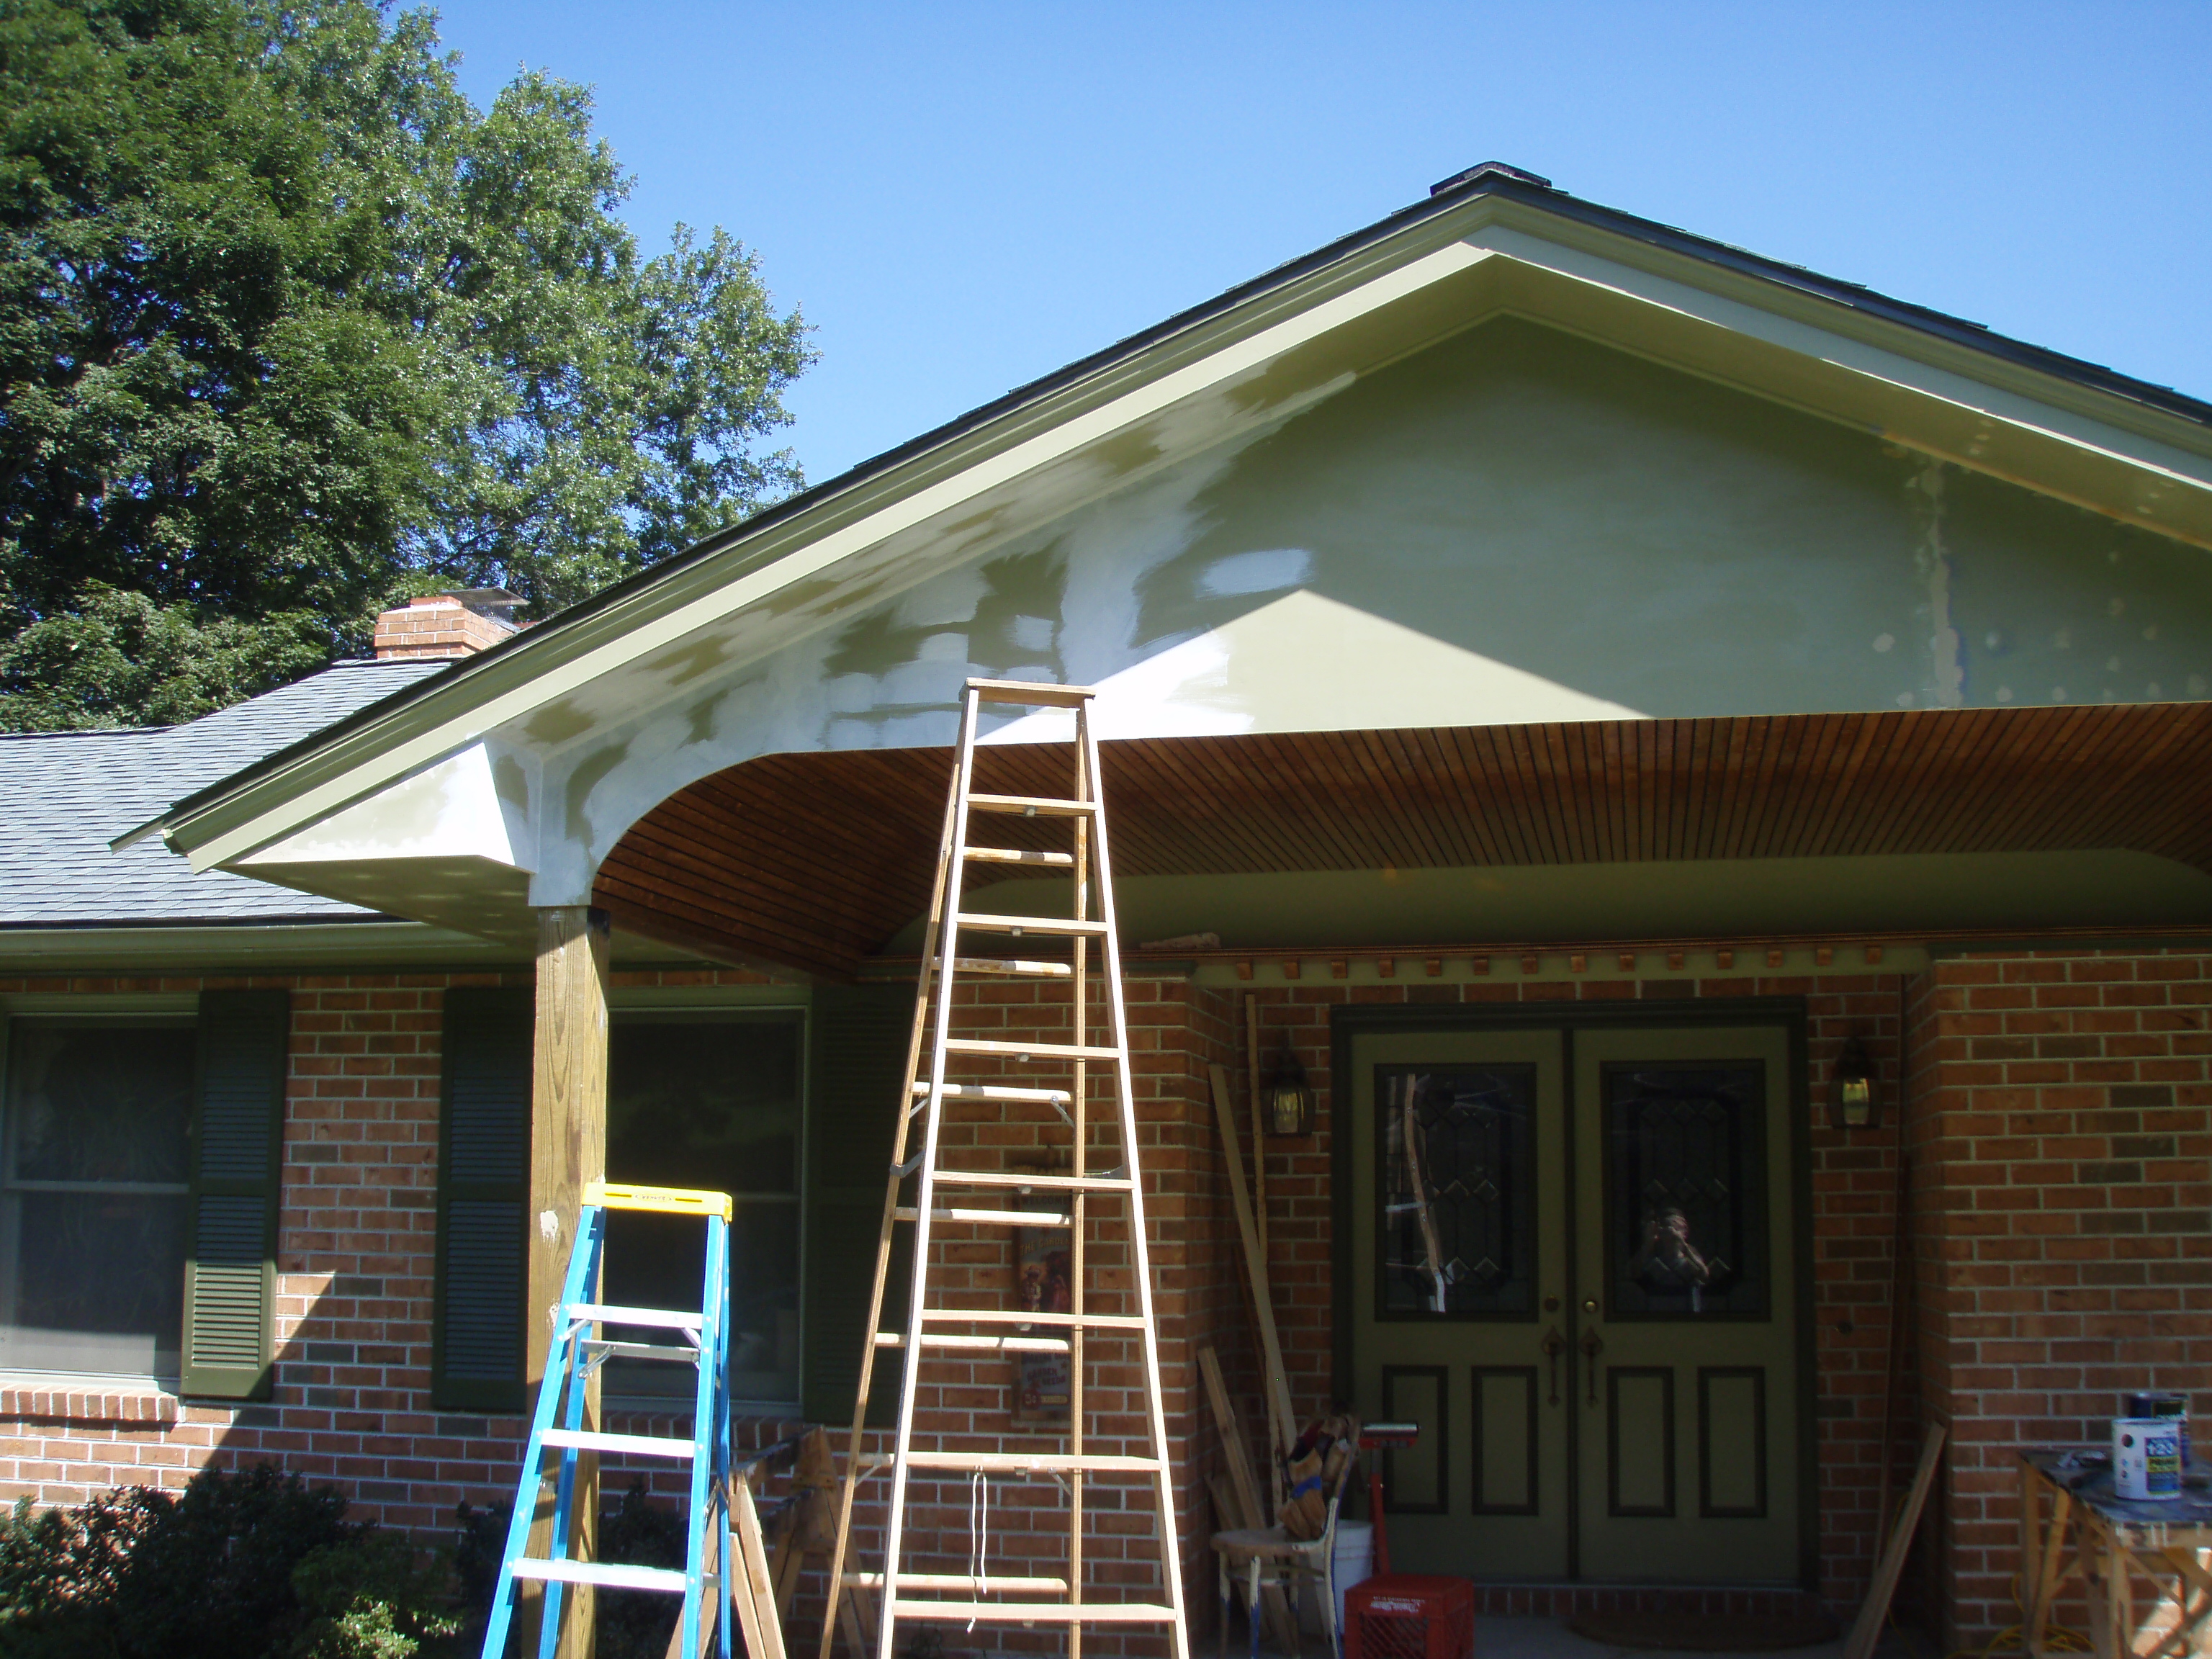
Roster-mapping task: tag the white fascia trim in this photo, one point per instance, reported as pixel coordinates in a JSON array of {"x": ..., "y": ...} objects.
[
  {"x": 757, "y": 586},
  {"x": 1876, "y": 363}
]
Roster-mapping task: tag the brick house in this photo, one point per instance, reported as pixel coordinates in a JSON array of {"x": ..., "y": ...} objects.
[{"x": 1601, "y": 689}]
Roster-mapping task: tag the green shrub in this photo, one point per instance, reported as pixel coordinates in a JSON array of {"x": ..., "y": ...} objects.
[
  {"x": 372, "y": 1597},
  {"x": 637, "y": 1624}
]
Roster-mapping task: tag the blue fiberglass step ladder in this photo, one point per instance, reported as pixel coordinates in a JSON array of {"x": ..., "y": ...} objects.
[{"x": 578, "y": 1350}]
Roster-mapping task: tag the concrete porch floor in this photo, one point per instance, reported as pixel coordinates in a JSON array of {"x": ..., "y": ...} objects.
[{"x": 1550, "y": 1638}]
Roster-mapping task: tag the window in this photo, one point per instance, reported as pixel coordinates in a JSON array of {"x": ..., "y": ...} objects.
[
  {"x": 95, "y": 1169},
  {"x": 709, "y": 1099}
]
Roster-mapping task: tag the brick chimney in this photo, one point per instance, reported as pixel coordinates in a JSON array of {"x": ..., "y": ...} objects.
[{"x": 456, "y": 625}]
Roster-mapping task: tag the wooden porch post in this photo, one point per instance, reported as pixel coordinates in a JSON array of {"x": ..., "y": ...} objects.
[{"x": 568, "y": 1147}]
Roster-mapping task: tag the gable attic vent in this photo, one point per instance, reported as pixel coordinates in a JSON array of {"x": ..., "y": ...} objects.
[{"x": 456, "y": 625}]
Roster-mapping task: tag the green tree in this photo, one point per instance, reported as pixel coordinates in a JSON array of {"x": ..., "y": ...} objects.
[{"x": 288, "y": 328}]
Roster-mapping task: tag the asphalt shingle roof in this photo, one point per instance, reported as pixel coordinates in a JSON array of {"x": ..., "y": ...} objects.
[{"x": 64, "y": 795}]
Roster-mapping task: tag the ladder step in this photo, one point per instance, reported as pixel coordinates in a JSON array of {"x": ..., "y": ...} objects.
[
  {"x": 953, "y": 1581},
  {"x": 1018, "y": 855},
  {"x": 1019, "y": 1462},
  {"x": 1058, "y": 926},
  {"x": 1031, "y": 693},
  {"x": 1039, "y": 1612},
  {"x": 1000, "y": 1092},
  {"x": 608, "y": 1575},
  {"x": 988, "y": 1218},
  {"x": 982, "y": 1344},
  {"x": 1089, "y": 1321},
  {"x": 1032, "y": 806},
  {"x": 1010, "y": 965},
  {"x": 1035, "y": 1050},
  {"x": 1043, "y": 1184},
  {"x": 598, "y": 1349},
  {"x": 665, "y": 1319},
  {"x": 632, "y": 1445}
]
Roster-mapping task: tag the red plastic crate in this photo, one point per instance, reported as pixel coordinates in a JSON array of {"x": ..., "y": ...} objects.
[{"x": 1407, "y": 1616}]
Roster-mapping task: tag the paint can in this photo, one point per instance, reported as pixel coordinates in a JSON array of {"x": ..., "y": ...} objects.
[
  {"x": 2147, "y": 1458},
  {"x": 2156, "y": 1402}
]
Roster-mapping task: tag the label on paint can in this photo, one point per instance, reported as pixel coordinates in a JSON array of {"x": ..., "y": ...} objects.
[{"x": 2147, "y": 1458}]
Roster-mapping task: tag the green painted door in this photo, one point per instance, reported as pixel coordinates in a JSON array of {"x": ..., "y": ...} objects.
[
  {"x": 1688, "y": 1418},
  {"x": 1460, "y": 1265},
  {"x": 1572, "y": 1264}
]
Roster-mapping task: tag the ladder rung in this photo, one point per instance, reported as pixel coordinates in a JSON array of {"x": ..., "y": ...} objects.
[
  {"x": 1035, "y": 693},
  {"x": 954, "y": 1581},
  {"x": 1019, "y": 1462},
  {"x": 1054, "y": 1183},
  {"x": 1036, "y": 1050},
  {"x": 1032, "y": 806},
  {"x": 1021, "y": 1317},
  {"x": 608, "y": 1575},
  {"x": 632, "y": 1445},
  {"x": 988, "y": 1217},
  {"x": 1019, "y": 855},
  {"x": 1039, "y": 1612},
  {"x": 665, "y": 1319},
  {"x": 984, "y": 1344},
  {"x": 1012, "y": 965},
  {"x": 1058, "y": 926},
  {"x": 1000, "y": 1092}
]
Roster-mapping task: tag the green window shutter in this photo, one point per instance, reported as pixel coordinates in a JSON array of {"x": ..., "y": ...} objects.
[
  {"x": 856, "y": 1079},
  {"x": 483, "y": 1192},
  {"x": 238, "y": 1136}
]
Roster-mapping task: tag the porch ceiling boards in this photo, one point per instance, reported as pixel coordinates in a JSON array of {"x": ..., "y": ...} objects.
[{"x": 813, "y": 861}]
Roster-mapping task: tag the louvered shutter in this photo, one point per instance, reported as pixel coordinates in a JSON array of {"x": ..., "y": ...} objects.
[
  {"x": 855, "y": 1080},
  {"x": 238, "y": 1131},
  {"x": 483, "y": 1190}
]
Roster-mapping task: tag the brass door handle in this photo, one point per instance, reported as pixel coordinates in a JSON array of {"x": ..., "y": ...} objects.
[
  {"x": 1593, "y": 1346},
  {"x": 1554, "y": 1346}
]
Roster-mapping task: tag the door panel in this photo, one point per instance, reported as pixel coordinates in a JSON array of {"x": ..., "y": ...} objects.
[
  {"x": 1458, "y": 1170},
  {"x": 1685, "y": 1306}
]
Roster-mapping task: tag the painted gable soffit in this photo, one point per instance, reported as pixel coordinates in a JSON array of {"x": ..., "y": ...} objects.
[{"x": 1092, "y": 532}]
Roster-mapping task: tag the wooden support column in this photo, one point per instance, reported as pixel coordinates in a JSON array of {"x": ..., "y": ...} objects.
[{"x": 568, "y": 1147}]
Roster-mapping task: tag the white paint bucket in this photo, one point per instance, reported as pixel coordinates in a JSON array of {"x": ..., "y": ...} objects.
[
  {"x": 1352, "y": 1561},
  {"x": 2147, "y": 1458}
]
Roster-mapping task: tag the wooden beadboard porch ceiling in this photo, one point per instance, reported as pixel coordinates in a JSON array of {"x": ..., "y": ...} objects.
[{"x": 814, "y": 860}]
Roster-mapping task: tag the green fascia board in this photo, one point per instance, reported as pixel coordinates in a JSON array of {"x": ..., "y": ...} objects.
[{"x": 458, "y": 705}]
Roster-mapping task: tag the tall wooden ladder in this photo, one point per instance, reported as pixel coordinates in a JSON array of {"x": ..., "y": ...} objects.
[
  {"x": 579, "y": 1346},
  {"x": 1062, "y": 1073}
]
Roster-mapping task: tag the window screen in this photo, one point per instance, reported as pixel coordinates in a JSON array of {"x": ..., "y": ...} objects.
[{"x": 93, "y": 1174}]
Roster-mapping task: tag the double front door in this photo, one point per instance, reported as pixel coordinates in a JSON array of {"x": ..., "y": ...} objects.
[{"x": 1573, "y": 1264}]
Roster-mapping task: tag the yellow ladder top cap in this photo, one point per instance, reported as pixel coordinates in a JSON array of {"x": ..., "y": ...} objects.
[{"x": 665, "y": 1200}]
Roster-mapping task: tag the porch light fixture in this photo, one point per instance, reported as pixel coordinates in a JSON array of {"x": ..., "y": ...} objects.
[
  {"x": 1289, "y": 1096},
  {"x": 1856, "y": 1100}
]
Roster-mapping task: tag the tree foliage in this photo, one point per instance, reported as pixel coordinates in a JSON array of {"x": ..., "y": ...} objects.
[{"x": 289, "y": 328}]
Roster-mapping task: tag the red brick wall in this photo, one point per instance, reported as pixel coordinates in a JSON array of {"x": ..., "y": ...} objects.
[{"x": 2062, "y": 1171}]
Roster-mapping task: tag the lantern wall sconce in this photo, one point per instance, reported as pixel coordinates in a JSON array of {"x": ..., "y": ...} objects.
[
  {"x": 1289, "y": 1097},
  {"x": 1855, "y": 1098}
]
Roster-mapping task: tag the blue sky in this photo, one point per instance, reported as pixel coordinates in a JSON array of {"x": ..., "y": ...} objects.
[{"x": 962, "y": 197}]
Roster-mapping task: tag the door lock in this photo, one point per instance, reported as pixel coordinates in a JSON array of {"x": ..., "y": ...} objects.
[
  {"x": 1589, "y": 1304},
  {"x": 1554, "y": 1346},
  {"x": 1593, "y": 1346}
]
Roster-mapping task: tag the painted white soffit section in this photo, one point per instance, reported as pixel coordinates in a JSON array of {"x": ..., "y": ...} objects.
[
  {"x": 1307, "y": 663},
  {"x": 449, "y": 810},
  {"x": 429, "y": 746}
]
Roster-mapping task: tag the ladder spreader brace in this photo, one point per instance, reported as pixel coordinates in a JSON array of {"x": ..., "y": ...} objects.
[
  {"x": 933, "y": 1055},
  {"x": 576, "y": 1353}
]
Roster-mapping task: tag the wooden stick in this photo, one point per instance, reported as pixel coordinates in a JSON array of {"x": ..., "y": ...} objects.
[
  {"x": 1867, "y": 1629},
  {"x": 1259, "y": 1119},
  {"x": 1282, "y": 1420},
  {"x": 751, "y": 1578}
]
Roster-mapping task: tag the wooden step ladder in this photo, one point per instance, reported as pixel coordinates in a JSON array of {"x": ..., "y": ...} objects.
[{"x": 935, "y": 1060}]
